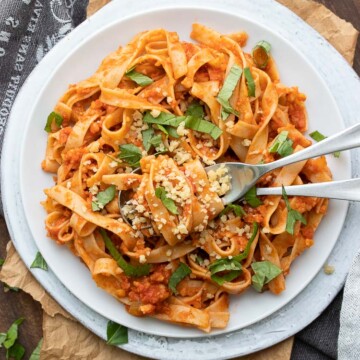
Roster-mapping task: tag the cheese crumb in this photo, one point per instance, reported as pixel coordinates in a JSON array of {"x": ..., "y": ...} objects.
[
  {"x": 328, "y": 269},
  {"x": 142, "y": 259},
  {"x": 155, "y": 113}
]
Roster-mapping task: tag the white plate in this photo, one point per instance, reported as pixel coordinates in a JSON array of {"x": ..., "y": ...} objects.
[{"x": 324, "y": 116}]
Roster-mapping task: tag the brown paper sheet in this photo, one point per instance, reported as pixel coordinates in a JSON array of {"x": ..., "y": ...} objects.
[{"x": 64, "y": 337}]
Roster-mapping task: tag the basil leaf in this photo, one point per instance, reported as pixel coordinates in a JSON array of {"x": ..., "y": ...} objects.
[
  {"x": 129, "y": 270},
  {"x": 179, "y": 274},
  {"x": 293, "y": 215},
  {"x": 12, "y": 334},
  {"x": 36, "y": 353},
  {"x": 163, "y": 119},
  {"x": 172, "y": 132},
  {"x": 220, "y": 280},
  {"x": 226, "y": 91},
  {"x": 103, "y": 198},
  {"x": 231, "y": 265},
  {"x": 261, "y": 53},
  {"x": 163, "y": 129},
  {"x": 195, "y": 109},
  {"x": 147, "y": 136},
  {"x": 53, "y": 116},
  {"x": 2, "y": 262},
  {"x": 116, "y": 334},
  {"x": 264, "y": 272},
  {"x": 16, "y": 352},
  {"x": 203, "y": 126},
  {"x": 282, "y": 145},
  {"x": 160, "y": 193},
  {"x": 131, "y": 154},
  {"x": 317, "y": 136},
  {"x": 2, "y": 338},
  {"x": 39, "y": 262},
  {"x": 250, "y": 82},
  {"x": 251, "y": 198},
  {"x": 139, "y": 78},
  {"x": 237, "y": 209},
  {"x": 245, "y": 253}
]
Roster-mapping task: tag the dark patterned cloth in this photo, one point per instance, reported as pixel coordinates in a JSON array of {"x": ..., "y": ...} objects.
[{"x": 28, "y": 30}]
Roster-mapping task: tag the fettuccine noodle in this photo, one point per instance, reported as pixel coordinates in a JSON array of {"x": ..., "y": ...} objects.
[{"x": 182, "y": 253}]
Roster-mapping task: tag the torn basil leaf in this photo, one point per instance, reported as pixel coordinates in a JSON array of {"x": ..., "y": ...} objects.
[
  {"x": 250, "y": 82},
  {"x": 139, "y": 78},
  {"x": 161, "y": 194},
  {"x": 39, "y": 262},
  {"x": 251, "y": 198},
  {"x": 103, "y": 198},
  {"x": 129, "y": 270},
  {"x": 131, "y": 154},
  {"x": 292, "y": 216},
  {"x": 264, "y": 272},
  {"x": 282, "y": 145},
  {"x": 36, "y": 353},
  {"x": 237, "y": 209},
  {"x": 261, "y": 53},
  {"x": 179, "y": 274},
  {"x": 8, "y": 339},
  {"x": 16, "y": 352},
  {"x": 53, "y": 116},
  {"x": 116, "y": 334},
  {"x": 203, "y": 126},
  {"x": 227, "y": 90}
]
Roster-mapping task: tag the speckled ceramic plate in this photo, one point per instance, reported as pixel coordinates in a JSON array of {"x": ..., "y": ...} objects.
[{"x": 295, "y": 46}]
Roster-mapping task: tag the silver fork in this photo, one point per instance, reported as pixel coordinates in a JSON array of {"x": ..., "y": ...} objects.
[{"x": 244, "y": 176}]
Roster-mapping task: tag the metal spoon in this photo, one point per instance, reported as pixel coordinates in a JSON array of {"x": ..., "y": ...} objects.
[{"x": 244, "y": 176}]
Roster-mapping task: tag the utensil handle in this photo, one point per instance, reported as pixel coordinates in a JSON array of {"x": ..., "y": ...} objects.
[
  {"x": 345, "y": 140},
  {"x": 342, "y": 190}
]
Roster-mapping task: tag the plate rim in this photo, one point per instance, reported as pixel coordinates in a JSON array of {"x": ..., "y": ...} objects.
[{"x": 6, "y": 144}]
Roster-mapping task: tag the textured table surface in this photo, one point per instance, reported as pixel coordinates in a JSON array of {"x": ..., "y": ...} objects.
[{"x": 19, "y": 304}]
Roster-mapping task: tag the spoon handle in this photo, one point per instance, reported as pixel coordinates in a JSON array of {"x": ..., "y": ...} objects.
[
  {"x": 342, "y": 190},
  {"x": 345, "y": 140}
]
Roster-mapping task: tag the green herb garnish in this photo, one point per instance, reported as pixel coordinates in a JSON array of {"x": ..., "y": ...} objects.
[
  {"x": 10, "y": 343},
  {"x": 261, "y": 53},
  {"x": 139, "y": 78},
  {"x": 179, "y": 274},
  {"x": 36, "y": 353},
  {"x": 227, "y": 90},
  {"x": 237, "y": 209},
  {"x": 131, "y": 154},
  {"x": 53, "y": 116},
  {"x": 251, "y": 198},
  {"x": 264, "y": 272},
  {"x": 2, "y": 262},
  {"x": 103, "y": 198},
  {"x": 161, "y": 194},
  {"x": 293, "y": 215},
  {"x": 317, "y": 136},
  {"x": 129, "y": 270},
  {"x": 39, "y": 262},
  {"x": 249, "y": 81},
  {"x": 282, "y": 145},
  {"x": 116, "y": 334}
]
